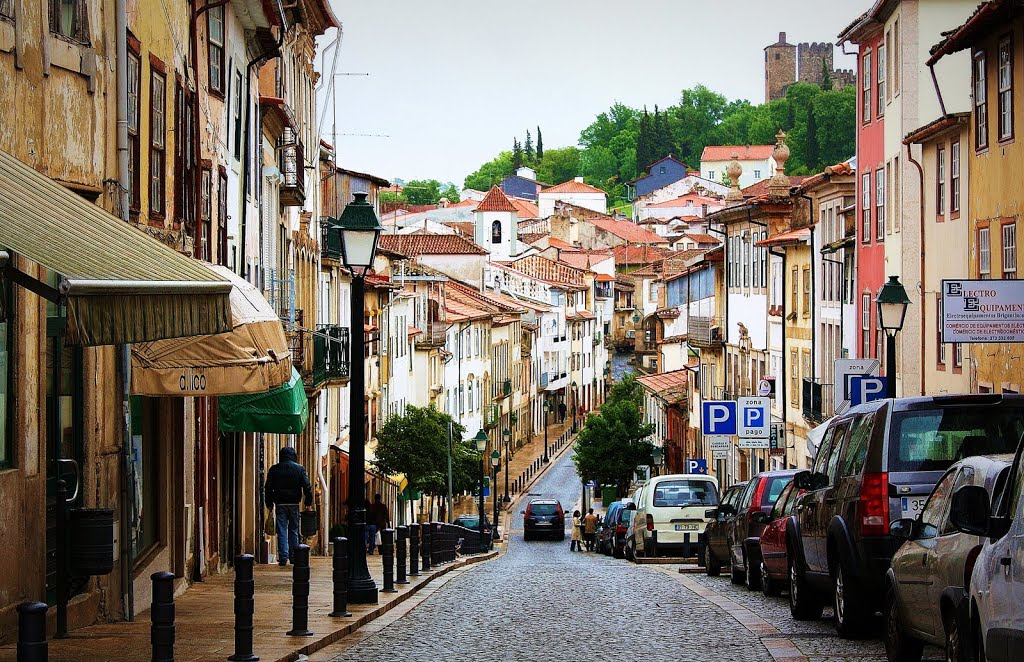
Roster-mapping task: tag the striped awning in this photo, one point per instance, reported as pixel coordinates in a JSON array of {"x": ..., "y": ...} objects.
[{"x": 119, "y": 284}]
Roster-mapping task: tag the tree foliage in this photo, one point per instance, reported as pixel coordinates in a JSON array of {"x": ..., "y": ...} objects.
[
  {"x": 540, "y": 145},
  {"x": 614, "y": 440},
  {"x": 422, "y": 191},
  {"x": 415, "y": 443}
]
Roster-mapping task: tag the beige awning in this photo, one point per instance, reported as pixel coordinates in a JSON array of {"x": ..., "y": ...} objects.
[
  {"x": 251, "y": 358},
  {"x": 120, "y": 285}
]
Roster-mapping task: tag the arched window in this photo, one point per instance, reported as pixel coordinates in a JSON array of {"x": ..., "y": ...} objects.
[{"x": 496, "y": 232}]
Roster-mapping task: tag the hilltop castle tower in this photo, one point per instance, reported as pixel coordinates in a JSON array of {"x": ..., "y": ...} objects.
[{"x": 785, "y": 63}]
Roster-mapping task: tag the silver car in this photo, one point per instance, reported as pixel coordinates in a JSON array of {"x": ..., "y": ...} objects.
[{"x": 927, "y": 585}]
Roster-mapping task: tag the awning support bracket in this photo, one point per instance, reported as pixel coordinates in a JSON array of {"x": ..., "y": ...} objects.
[{"x": 24, "y": 280}]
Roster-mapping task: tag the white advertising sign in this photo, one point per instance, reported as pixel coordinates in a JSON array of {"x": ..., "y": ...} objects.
[
  {"x": 754, "y": 443},
  {"x": 983, "y": 311},
  {"x": 845, "y": 370}
]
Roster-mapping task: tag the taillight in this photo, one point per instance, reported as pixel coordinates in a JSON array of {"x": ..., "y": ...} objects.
[
  {"x": 755, "y": 503},
  {"x": 528, "y": 509},
  {"x": 620, "y": 528},
  {"x": 972, "y": 558},
  {"x": 873, "y": 506},
  {"x": 558, "y": 508},
  {"x": 650, "y": 522}
]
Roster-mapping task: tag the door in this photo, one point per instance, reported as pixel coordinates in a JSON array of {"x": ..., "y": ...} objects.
[
  {"x": 911, "y": 565},
  {"x": 809, "y": 504},
  {"x": 828, "y": 497},
  {"x": 1002, "y": 620},
  {"x": 944, "y": 563}
]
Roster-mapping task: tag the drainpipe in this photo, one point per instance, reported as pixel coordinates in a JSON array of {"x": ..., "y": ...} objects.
[
  {"x": 253, "y": 63},
  {"x": 814, "y": 289},
  {"x": 124, "y": 351},
  {"x": 920, "y": 175}
]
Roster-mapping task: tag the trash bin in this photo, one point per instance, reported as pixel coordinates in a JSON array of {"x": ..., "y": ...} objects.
[{"x": 608, "y": 494}]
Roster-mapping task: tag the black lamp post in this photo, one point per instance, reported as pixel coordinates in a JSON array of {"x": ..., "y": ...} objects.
[
  {"x": 481, "y": 447},
  {"x": 892, "y": 302},
  {"x": 495, "y": 463},
  {"x": 360, "y": 230},
  {"x": 545, "y": 411},
  {"x": 575, "y": 403},
  {"x": 507, "y": 434},
  {"x": 657, "y": 456}
]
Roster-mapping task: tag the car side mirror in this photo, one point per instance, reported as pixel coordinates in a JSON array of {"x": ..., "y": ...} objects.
[
  {"x": 969, "y": 512},
  {"x": 727, "y": 509},
  {"x": 522, "y": 512},
  {"x": 802, "y": 480},
  {"x": 711, "y": 513},
  {"x": 760, "y": 517},
  {"x": 904, "y": 529}
]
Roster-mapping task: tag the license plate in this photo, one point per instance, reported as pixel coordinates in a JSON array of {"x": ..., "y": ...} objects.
[
  {"x": 543, "y": 523},
  {"x": 687, "y": 527},
  {"x": 912, "y": 506}
]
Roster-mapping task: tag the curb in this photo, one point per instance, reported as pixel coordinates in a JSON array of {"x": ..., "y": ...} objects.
[{"x": 349, "y": 628}]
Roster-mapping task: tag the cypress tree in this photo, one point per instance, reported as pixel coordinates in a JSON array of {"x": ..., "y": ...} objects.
[
  {"x": 528, "y": 148},
  {"x": 517, "y": 155},
  {"x": 644, "y": 143},
  {"x": 540, "y": 145},
  {"x": 811, "y": 154},
  {"x": 662, "y": 136},
  {"x": 826, "y": 77}
]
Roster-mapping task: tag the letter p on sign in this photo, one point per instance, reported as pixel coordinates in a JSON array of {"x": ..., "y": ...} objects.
[
  {"x": 718, "y": 417},
  {"x": 866, "y": 389}
]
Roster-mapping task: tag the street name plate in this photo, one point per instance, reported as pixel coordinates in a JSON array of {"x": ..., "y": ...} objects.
[
  {"x": 720, "y": 454},
  {"x": 754, "y": 443}
]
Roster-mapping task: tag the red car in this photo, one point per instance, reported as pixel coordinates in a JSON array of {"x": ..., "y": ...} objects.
[{"x": 774, "y": 561}]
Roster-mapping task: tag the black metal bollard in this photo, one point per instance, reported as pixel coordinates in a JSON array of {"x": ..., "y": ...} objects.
[
  {"x": 437, "y": 544},
  {"x": 654, "y": 543},
  {"x": 387, "y": 554},
  {"x": 401, "y": 553},
  {"x": 300, "y": 592},
  {"x": 339, "y": 577},
  {"x": 425, "y": 545},
  {"x": 32, "y": 645},
  {"x": 245, "y": 590},
  {"x": 161, "y": 630},
  {"x": 414, "y": 550}
]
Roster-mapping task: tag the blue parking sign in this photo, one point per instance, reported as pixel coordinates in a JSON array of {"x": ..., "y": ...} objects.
[
  {"x": 718, "y": 417},
  {"x": 866, "y": 389},
  {"x": 696, "y": 466}
]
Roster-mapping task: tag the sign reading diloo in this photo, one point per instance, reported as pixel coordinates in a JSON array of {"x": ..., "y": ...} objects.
[{"x": 983, "y": 311}]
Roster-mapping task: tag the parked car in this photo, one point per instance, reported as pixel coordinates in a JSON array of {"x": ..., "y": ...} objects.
[
  {"x": 675, "y": 506},
  {"x": 629, "y": 539},
  {"x": 779, "y": 525},
  {"x": 544, "y": 517},
  {"x": 471, "y": 521},
  {"x": 758, "y": 498},
  {"x": 606, "y": 531},
  {"x": 878, "y": 462},
  {"x": 626, "y": 517},
  {"x": 997, "y": 578},
  {"x": 716, "y": 535},
  {"x": 925, "y": 600}
]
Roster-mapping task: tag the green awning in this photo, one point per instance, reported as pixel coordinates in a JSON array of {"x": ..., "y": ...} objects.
[
  {"x": 283, "y": 410},
  {"x": 120, "y": 285}
]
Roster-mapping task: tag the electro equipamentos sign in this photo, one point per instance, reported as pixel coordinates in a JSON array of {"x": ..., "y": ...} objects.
[{"x": 983, "y": 311}]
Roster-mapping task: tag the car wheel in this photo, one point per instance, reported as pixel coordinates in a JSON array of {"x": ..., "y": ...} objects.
[
  {"x": 526, "y": 535},
  {"x": 957, "y": 648},
  {"x": 561, "y": 537},
  {"x": 803, "y": 606},
  {"x": 847, "y": 604},
  {"x": 899, "y": 646},
  {"x": 618, "y": 552},
  {"x": 752, "y": 574},
  {"x": 768, "y": 585},
  {"x": 712, "y": 566}
]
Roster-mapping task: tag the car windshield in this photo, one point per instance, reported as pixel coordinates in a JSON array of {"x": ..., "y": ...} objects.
[
  {"x": 774, "y": 488},
  {"x": 932, "y": 440},
  {"x": 469, "y": 521},
  {"x": 685, "y": 493},
  {"x": 542, "y": 509}
]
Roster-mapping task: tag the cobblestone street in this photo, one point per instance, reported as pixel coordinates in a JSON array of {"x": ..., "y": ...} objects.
[{"x": 539, "y": 602}]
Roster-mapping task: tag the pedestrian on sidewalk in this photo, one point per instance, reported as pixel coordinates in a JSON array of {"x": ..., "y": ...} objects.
[
  {"x": 381, "y": 518},
  {"x": 561, "y": 411},
  {"x": 590, "y": 529},
  {"x": 576, "y": 539},
  {"x": 287, "y": 484}
]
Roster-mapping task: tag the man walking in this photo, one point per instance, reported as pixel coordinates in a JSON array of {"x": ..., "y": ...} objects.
[
  {"x": 287, "y": 484},
  {"x": 380, "y": 519},
  {"x": 590, "y": 529}
]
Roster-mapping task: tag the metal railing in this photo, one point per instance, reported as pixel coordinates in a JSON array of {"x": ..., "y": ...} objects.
[
  {"x": 292, "y": 164},
  {"x": 603, "y": 292},
  {"x": 330, "y": 239},
  {"x": 492, "y": 416},
  {"x": 502, "y": 388},
  {"x": 816, "y": 401},
  {"x": 704, "y": 332},
  {"x": 544, "y": 379},
  {"x": 435, "y": 334},
  {"x": 331, "y": 349}
]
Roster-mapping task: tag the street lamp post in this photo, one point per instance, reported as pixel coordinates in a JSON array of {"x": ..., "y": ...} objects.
[
  {"x": 360, "y": 231},
  {"x": 481, "y": 447},
  {"x": 657, "y": 456},
  {"x": 892, "y": 302},
  {"x": 575, "y": 404},
  {"x": 507, "y": 434},
  {"x": 495, "y": 463},
  {"x": 545, "y": 411}
]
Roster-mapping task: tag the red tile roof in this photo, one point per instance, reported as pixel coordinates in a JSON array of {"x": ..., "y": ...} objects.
[
  {"x": 555, "y": 242},
  {"x": 793, "y": 236},
  {"x": 430, "y": 244},
  {"x": 627, "y": 230},
  {"x": 532, "y": 237},
  {"x": 702, "y": 238},
  {"x": 669, "y": 385},
  {"x": 572, "y": 186},
  {"x": 462, "y": 227},
  {"x": 629, "y": 255},
  {"x": 604, "y": 278},
  {"x": 761, "y": 187},
  {"x": 745, "y": 152},
  {"x": 548, "y": 271},
  {"x": 525, "y": 209},
  {"x": 683, "y": 199},
  {"x": 496, "y": 200}
]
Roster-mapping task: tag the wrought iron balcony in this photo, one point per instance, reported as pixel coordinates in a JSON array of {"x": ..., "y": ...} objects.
[
  {"x": 330, "y": 239},
  {"x": 502, "y": 388},
  {"x": 292, "y": 163},
  {"x": 492, "y": 416},
  {"x": 544, "y": 379},
  {"x": 597, "y": 339},
  {"x": 816, "y": 401},
  {"x": 435, "y": 335},
  {"x": 704, "y": 332},
  {"x": 603, "y": 291},
  {"x": 331, "y": 354}
]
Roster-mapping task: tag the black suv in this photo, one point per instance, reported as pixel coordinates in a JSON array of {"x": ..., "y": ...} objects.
[
  {"x": 876, "y": 463},
  {"x": 717, "y": 541},
  {"x": 544, "y": 517}
]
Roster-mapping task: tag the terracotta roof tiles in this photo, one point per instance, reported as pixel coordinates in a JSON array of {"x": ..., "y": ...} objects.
[
  {"x": 414, "y": 245},
  {"x": 572, "y": 186},
  {"x": 496, "y": 200},
  {"x": 745, "y": 152}
]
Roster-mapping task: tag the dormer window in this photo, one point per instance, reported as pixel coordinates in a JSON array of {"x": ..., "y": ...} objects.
[{"x": 496, "y": 232}]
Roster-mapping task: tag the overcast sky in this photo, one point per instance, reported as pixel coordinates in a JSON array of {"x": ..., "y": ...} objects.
[{"x": 452, "y": 81}]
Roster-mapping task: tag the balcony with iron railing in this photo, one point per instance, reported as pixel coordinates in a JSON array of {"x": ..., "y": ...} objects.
[
  {"x": 603, "y": 291},
  {"x": 555, "y": 380},
  {"x": 292, "y": 163},
  {"x": 330, "y": 354},
  {"x": 816, "y": 401},
  {"x": 597, "y": 338},
  {"x": 704, "y": 332},
  {"x": 544, "y": 379},
  {"x": 296, "y": 342},
  {"x": 502, "y": 388},
  {"x": 492, "y": 416},
  {"x": 330, "y": 239},
  {"x": 434, "y": 335}
]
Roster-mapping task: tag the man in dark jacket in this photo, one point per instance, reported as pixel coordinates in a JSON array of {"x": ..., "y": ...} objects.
[{"x": 287, "y": 484}]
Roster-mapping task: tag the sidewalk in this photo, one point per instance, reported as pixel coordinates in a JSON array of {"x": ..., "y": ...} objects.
[
  {"x": 205, "y": 618},
  {"x": 523, "y": 468}
]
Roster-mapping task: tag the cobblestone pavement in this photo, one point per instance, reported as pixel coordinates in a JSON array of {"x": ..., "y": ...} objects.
[{"x": 541, "y": 602}]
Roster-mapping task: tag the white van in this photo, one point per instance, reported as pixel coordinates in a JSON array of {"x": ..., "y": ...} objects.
[{"x": 674, "y": 506}]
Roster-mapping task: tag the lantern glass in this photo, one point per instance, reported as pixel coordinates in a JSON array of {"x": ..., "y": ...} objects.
[
  {"x": 892, "y": 303},
  {"x": 657, "y": 455},
  {"x": 495, "y": 458},
  {"x": 360, "y": 232},
  {"x": 481, "y": 441}
]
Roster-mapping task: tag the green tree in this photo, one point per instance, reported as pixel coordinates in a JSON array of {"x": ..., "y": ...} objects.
[
  {"x": 540, "y": 145},
  {"x": 391, "y": 196},
  {"x": 528, "y": 149},
  {"x": 422, "y": 191},
  {"x": 614, "y": 440},
  {"x": 559, "y": 165},
  {"x": 415, "y": 443},
  {"x": 811, "y": 154},
  {"x": 835, "y": 115},
  {"x": 645, "y": 143},
  {"x": 490, "y": 173},
  {"x": 517, "y": 155},
  {"x": 598, "y": 167},
  {"x": 826, "y": 76},
  {"x": 663, "y": 142},
  {"x": 451, "y": 194}
]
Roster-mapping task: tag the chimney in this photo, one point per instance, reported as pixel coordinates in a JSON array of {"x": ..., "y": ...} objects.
[
  {"x": 782, "y": 37},
  {"x": 578, "y": 180}
]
